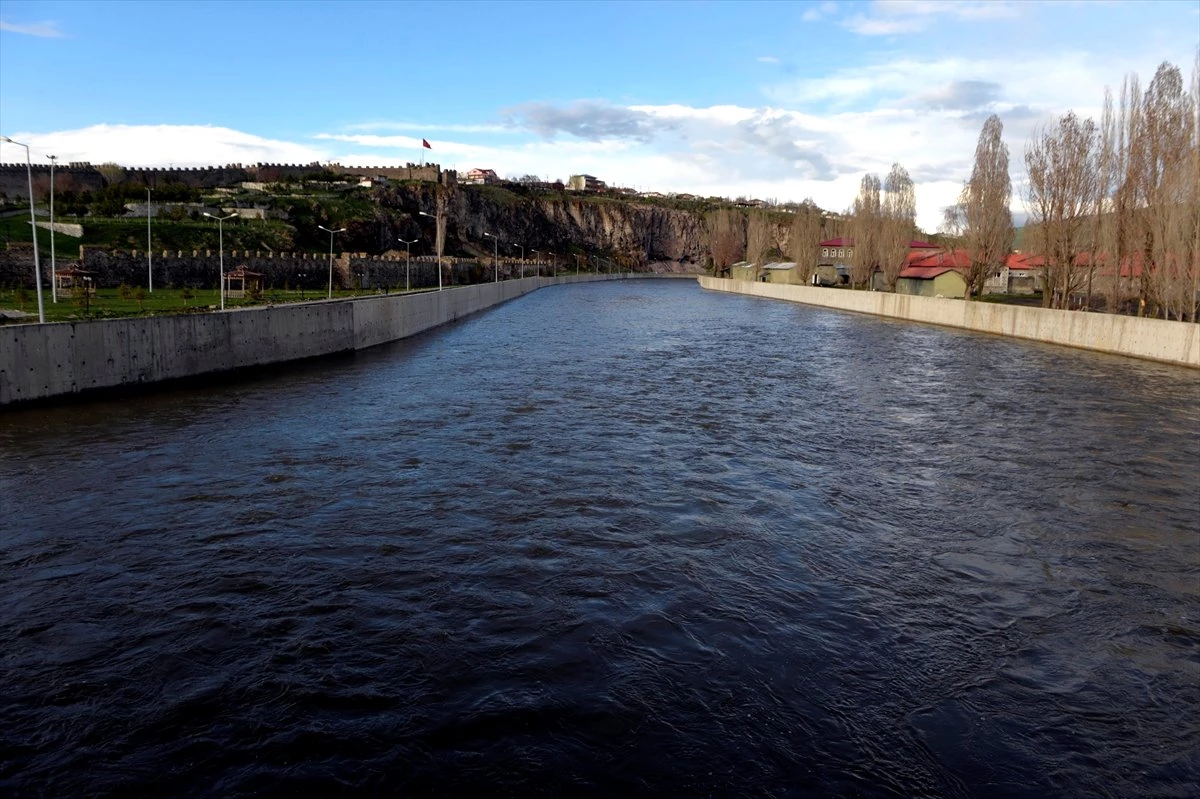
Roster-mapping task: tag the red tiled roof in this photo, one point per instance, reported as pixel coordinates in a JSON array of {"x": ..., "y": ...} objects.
[
  {"x": 847, "y": 241},
  {"x": 925, "y": 272},
  {"x": 955, "y": 259}
]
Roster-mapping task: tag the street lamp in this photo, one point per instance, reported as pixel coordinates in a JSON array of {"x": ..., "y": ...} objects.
[
  {"x": 331, "y": 232},
  {"x": 437, "y": 237},
  {"x": 221, "y": 248},
  {"x": 495, "y": 256},
  {"x": 149, "y": 250},
  {"x": 37, "y": 267},
  {"x": 53, "y": 263},
  {"x": 537, "y": 264},
  {"x": 408, "y": 259},
  {"x": 522, "y": 262}
]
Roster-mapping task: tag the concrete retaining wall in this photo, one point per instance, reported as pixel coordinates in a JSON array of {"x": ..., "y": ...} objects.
[
  {"x": 38, "y": 362},
  {"x": 1151, "y": 339}
]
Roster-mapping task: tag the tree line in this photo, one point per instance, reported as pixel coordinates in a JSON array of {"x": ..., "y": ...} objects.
[
  {"x": 1114, "y": 209},
  {"x": 1115, "y": 205}
]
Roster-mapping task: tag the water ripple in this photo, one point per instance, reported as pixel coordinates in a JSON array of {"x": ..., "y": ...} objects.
[{"x": 614, "y": 538}]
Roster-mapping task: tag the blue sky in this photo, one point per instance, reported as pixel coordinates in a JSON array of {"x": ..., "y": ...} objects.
[{"x": 774, "y": 100}]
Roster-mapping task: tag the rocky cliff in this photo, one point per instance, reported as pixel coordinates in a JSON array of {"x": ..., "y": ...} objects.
[{"x": 641, "y": 236}]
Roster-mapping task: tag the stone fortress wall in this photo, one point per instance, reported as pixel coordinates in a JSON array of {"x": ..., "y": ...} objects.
[
  {"x": 82, "y": 176},
  {"x": 200, "y": 268}
]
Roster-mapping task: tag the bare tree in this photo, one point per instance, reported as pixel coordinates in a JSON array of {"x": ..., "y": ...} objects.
[
  {"x": 1168, "y": 191},
  {"x": 804, "y": 238},
  {"x": 865, "y": 220},
  {"x": 1061, "y": 163},
  {"x": 758, "y": 237},
  {"x": 899, "y": 207},
  {"x": 986, "y": 219},
  {"x": 726, "y": 238}
]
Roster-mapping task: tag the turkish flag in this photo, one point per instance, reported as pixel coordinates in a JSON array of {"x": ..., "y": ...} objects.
[{"x": 425, "y": 144}]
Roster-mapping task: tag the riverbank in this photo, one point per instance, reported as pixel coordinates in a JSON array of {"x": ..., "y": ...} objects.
[
  {"x": 43, "y": 362},
  {"x": 1150, "y": 339}
]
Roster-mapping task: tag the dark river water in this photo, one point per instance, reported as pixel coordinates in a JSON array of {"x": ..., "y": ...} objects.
[{"x": 618, "y": 538}]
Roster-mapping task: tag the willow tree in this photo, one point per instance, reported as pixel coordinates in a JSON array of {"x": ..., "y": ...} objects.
[
  {"x": 866, "y": 219},
  {"x": 898, "y": 223},
  {"x": 986, "y": 218}
]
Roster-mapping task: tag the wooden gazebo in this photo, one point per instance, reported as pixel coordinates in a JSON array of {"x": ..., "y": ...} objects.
[
  {"x": 242, "y": 281},
  {"x": 74, "y": 277}
]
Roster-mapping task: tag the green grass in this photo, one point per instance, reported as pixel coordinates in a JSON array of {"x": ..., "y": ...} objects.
[
  {"x": 130, "y": 234},
  {"x": 109, "y": 304}
]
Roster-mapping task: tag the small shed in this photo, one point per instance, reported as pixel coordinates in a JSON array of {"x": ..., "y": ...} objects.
[
  {"x": 932, "y": 281},
  {"x": 830, "y": 275},
  {"x": 73, "y": 277},
  {"x": 242, "y": 281},
  {"x": 744, "y": 270},
  {"x": 786, "y": 272}
]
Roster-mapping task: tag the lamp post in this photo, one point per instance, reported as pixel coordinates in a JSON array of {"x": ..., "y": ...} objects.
[
  {"x": 495, "y": 257},
  {"x": 149, "y": 250},
  {"x": 408, "y": 258},
  {"x": 37, "y": 267},
  {"x": 53, "y": 262},
  {"x": 537, "y": 264},
  {"x": 221, "y": 249},
  {"x": 522, "y": 262},
  {"x": 329, "y": 295},
  {"x": 437, "y": 237}
]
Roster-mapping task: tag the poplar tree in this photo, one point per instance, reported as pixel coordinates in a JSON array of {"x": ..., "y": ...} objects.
[
  {"x": 1061, "y": 161},
  {"x": 983, "y": 205},
  {"x": 726, "y": 238},
  {"x": 898, "y": 223},
  {"x": 865, "y": 221},
  {"x": 804, "y": 238}
]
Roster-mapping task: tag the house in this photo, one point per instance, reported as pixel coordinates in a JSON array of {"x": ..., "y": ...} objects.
[
  {"x": 586, "y": 183},
  {"x": 1021, "y": 274},
  {"x": 932, "y": 281},
  {"x": 841, "y": 250},
  {"x": 481, "y": 177}
]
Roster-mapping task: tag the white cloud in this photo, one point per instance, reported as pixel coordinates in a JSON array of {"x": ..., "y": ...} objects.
[
  {"x": 47, "y": 30},
  {"x": 427, "y": 127},
  {"x": 767, "y": 59},
  {"x": 817, "y": 13},
  {"x": 410, "y": 143},
  {"x": 153, "y": 145},
  {"x": 890, "y": 17}
]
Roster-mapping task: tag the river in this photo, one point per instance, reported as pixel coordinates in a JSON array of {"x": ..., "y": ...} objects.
[{"x": 626, "y": 537}]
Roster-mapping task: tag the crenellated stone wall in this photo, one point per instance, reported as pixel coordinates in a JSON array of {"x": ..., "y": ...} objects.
[
  {"x": 200, "y": 268},
  {"x": 82, "y": 176}
]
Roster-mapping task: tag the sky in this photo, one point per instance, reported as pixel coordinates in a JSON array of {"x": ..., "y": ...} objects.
[{"x": 776, "y": 100}]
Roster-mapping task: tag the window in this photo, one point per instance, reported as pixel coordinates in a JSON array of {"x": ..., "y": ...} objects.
[
  {"x": 840, "y": 253},
  {"x": 824, "y": 252}
]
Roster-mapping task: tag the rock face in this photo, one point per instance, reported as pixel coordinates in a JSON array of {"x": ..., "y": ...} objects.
[{"x": 642, "y": 236}]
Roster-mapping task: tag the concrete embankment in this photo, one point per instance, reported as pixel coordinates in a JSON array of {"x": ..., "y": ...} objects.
[
  {"x": 39, "y": 362},
  {"x": 1151, "y": 339}
]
